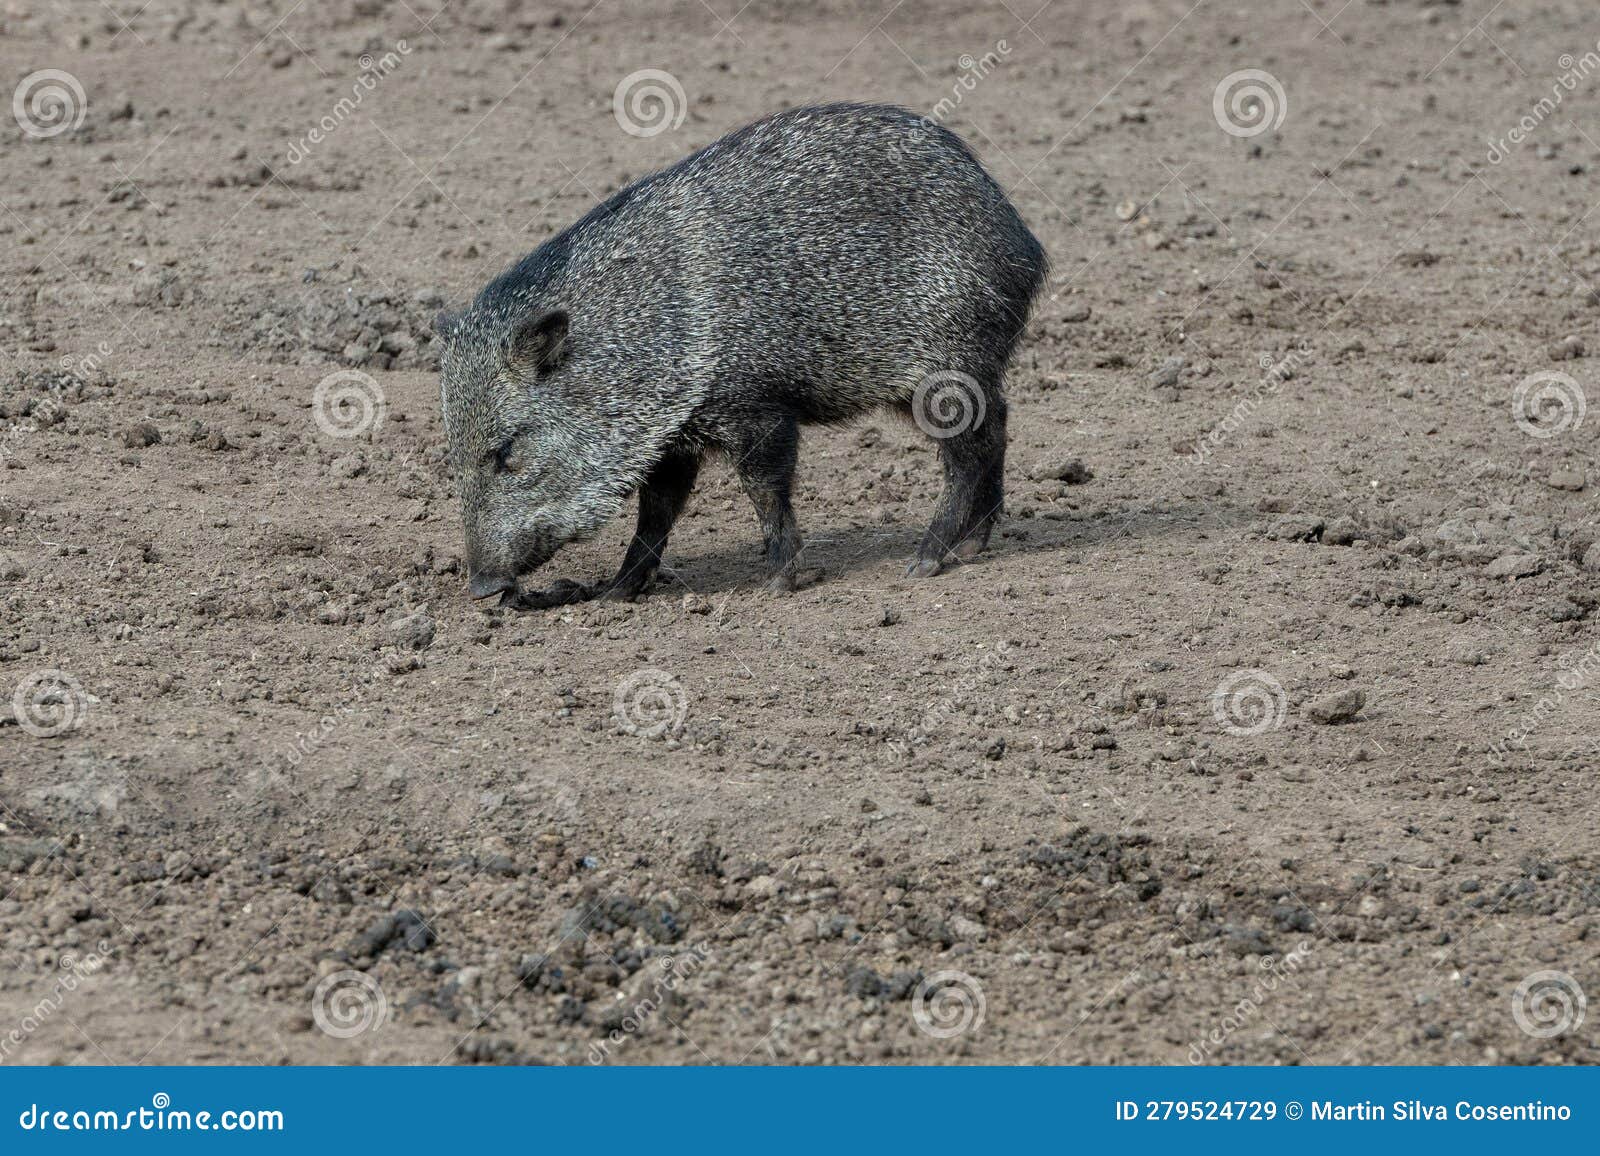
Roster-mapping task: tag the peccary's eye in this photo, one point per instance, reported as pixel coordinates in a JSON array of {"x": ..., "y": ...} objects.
[{"x": 499, "y": 461}]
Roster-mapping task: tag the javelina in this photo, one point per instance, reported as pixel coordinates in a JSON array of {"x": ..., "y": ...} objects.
[{"x": 807, "y": 268}]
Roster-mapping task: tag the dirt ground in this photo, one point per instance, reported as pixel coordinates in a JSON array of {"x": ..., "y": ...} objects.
[{"x": 1266, "y": 733}]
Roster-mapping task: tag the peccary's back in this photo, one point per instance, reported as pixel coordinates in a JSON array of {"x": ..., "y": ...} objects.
[{"x": 835, "y": 255}]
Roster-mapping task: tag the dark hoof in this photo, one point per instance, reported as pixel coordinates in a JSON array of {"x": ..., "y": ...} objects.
[
  {"x": 634, "y": 587},
  {"x": 924, "y": 568},
  {"x": 788, "y": 581}
]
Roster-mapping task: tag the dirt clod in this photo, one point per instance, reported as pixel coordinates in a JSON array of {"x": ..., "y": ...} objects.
[
  {"x": 1336, "y": 708},
  {"x": 141, "y": 434}
]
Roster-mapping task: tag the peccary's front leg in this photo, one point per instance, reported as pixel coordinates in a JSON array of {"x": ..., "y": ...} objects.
[
  {"x": 661, "y": 500},
  {"x": 765, "y": 461}
]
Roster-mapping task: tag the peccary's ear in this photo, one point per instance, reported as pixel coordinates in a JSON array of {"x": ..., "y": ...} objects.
[
  {"x": 444, "y": 325},
  {"x": 537, "y": 341}
]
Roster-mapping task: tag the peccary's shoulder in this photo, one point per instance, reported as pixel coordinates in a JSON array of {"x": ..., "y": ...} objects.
[{"x": 528, "y": 279}]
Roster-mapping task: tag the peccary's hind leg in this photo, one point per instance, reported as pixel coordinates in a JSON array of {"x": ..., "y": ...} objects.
[
  {"x": 661, "y": 500},
  {"x": 765, "y": 462},
  {"x": 974, "y": 489}
]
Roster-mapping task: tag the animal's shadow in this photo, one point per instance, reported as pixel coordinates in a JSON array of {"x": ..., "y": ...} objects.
[{"x": 838, "y": 553}]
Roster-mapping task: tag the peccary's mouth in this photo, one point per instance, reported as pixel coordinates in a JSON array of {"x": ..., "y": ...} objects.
[
  {"x": 510, "y": 596},
  {"x": 563, "y": 593}
]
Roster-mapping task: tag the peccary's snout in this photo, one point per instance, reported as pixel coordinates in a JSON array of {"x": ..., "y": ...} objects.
[
  {"x": 487, "y": 573},
  {"x": 497, "y": 552}
]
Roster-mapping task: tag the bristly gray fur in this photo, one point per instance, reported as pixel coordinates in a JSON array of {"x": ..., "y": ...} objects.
[{"x": 806, "y": 268}]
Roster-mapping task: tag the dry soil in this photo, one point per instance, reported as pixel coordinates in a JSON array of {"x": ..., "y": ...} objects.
[{"x": 1265, "y": 733}]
